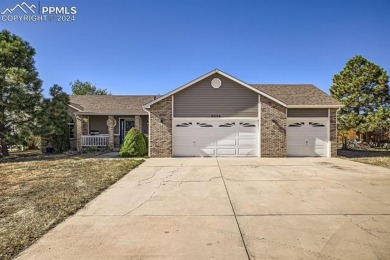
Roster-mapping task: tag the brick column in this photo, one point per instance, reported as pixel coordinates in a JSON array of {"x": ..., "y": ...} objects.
[
  {"x": 111, "y": 123},
  {"x": 138, "y": 123},
  {"x": 79, "y": 131},
  {"x": 160, "y": 135},
  {"x": 273, "y": 129}
]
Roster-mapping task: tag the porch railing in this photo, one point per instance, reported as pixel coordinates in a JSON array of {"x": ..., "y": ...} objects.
[{"x": 94, "y": 140}]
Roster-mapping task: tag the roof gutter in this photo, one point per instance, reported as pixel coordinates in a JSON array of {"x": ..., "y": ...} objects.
[
  {"x": 315, "y": 106},
  {"x": 110, "y": 114}
]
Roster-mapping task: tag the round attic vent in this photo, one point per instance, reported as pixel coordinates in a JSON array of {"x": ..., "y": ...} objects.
[{"x": 216, "y": 83}]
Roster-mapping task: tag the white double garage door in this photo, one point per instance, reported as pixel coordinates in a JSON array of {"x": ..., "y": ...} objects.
[
  {"x": 215, "y": 137},
  {"x": 240, "y": 137}
]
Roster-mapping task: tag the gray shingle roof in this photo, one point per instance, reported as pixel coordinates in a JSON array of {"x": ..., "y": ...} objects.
[
  {"x": 111, "y": 104},
  {"x": 291, "y": 94}
]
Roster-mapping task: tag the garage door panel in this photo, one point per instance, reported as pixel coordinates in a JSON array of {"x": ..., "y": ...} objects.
[
  {"x": 247, "y": 142},
  {"x": 226, "y": 151},
  {"x": 183, "y": 151},
  {"x": 297, "y": 153},
  {"x": 215, "y": 137},
  {"x": 319, "y": 152},
  {"x": 247, "y": 151},
  {"x": 227, "y": 142},
  {"x": 307, "y": 137},
  {"x": 207, "y": 152},
  {"x": 318, "y": 142},
  {"x": 248, "y": 135},
  {"x": 204, "y": 141},
  {"x": 225, "y": 134},
  {"x": 296, "y": 143}
]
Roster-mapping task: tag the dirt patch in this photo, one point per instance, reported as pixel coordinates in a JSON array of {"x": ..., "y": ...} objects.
[{"x": 37, "y": 195}]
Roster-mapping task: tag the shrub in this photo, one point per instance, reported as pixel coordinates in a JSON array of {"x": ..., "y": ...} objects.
[
  {"x": 146, "y": 142},
  {"x": 134, "y": 145}
]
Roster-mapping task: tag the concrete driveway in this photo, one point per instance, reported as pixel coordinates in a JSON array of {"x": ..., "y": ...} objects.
[{"x": 231, "y": 208}]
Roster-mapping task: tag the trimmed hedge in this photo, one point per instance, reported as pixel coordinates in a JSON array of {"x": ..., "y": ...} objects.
[{"x": 134, "y": 144}]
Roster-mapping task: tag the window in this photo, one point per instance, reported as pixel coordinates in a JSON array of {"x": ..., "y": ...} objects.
[
  {"x": 204, "y": 125},
  {"x": 227, "y": 125},
  {"x": 316, "y": 124},
  {"x": 247, "y": 125},
  {"x": 184, "y": 124},
  {"x": 71, "y": 129},
  {"x": 296, "y": 124}
]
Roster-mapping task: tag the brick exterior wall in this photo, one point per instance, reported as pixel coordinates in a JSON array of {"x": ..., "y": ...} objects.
[
  {"x": 273, "y": 142},
  {"x": 160, "y": 135},
  {"x": 333, "y": 132}
]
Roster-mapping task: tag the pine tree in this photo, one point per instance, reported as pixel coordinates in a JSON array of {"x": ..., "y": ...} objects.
[
  {"x": 20, "y": 88},
  {"x": 362, "y": 87},
  {"x": 54, "y": 120}
]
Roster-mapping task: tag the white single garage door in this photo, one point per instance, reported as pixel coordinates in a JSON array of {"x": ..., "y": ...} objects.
[
  {"x": 215, "y": 137},
  {"x": 307, "y": 137}
]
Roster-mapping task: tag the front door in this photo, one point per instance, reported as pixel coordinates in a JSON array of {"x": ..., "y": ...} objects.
[{"x": 124, "y": 127}]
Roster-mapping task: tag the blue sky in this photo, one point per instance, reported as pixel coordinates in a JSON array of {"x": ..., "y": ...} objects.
[{"x": 154, "y": 46}]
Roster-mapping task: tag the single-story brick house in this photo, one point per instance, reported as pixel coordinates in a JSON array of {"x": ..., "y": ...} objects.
[{"x": 213, "y": 115}]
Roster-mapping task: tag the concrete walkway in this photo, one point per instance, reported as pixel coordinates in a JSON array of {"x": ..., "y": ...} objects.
[{"x": 230, "y": 208}]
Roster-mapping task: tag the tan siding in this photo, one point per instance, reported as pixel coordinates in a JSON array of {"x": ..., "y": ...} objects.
[
  {"x": 307, "y": 112},
  {"x": 98, "y": 123},
  {"x": 202, "y": 100}
]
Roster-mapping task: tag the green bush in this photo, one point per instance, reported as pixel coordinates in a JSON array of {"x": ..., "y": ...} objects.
[
  {"x": 146, "y": 141},
  {"x": 134, "y": 145}
]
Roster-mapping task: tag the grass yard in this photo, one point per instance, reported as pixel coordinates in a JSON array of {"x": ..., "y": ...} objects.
[
  {"x": 379, "y": 158},
  {"x": 36, "y": 195}
]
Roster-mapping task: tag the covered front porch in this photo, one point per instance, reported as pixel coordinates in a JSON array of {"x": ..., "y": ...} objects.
[{"x": 106, "y": 131}]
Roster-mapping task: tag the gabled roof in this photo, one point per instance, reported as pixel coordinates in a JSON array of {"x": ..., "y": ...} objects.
[
  {"x": 110, "y": 104},
  {"x": 207, "y": 75},
  {"x": 288, "y": 95},
  {"x": 298, "y": 95}
]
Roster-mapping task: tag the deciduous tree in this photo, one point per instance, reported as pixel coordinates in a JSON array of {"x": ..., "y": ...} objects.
[{"x": 86, "y": 88}]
